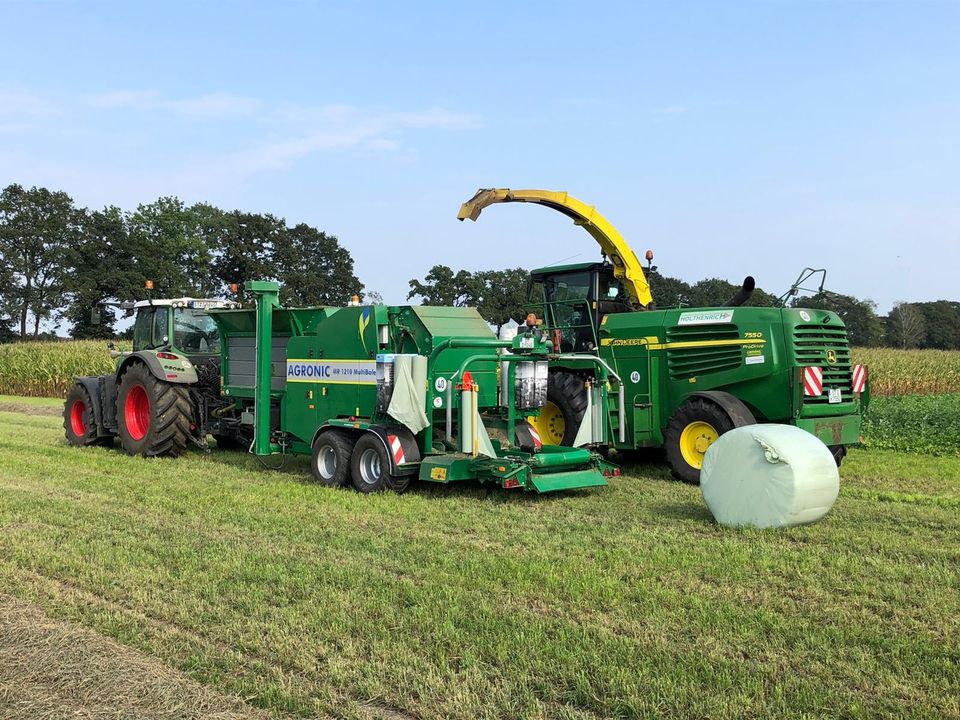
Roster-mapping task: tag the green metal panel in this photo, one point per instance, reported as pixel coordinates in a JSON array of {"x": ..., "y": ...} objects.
[{"x": 569, "y": 480}]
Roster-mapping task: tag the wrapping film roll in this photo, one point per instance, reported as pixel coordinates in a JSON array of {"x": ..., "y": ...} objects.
[{"x": 768, "y": 476}]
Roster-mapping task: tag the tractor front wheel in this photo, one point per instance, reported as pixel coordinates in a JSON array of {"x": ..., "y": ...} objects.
[
  {"x": 693, "y": 428},
  {"x": 153, "y": 416},
  {"x": 79, "y": 425}
]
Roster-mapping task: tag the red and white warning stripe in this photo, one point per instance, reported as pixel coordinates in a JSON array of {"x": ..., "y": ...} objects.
[
  {"x": 397, "y": 449},
  {"x": 537, "y": 442},
  {"x": 859, "y": 378},
  {"x": 812, "y": 381}
]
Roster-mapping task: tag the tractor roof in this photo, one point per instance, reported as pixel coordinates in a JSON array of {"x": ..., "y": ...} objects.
[{"x": 187, "y": 302}]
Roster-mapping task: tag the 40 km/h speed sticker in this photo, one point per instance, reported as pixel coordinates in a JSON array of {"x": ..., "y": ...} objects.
[
  {"x": 440, "y": 384},
  {"x": 635, "y": 377}
]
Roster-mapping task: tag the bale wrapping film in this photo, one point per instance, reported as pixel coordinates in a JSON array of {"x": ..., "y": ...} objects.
[{"x": 768, "y": 476}]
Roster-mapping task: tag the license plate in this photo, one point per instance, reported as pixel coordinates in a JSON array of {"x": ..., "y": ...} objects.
[{"x": 834, "y": 396}]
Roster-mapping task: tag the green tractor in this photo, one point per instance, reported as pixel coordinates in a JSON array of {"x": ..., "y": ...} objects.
[
  {"x": 691, "y": 373},
  {"x": 165, "y": 394}
]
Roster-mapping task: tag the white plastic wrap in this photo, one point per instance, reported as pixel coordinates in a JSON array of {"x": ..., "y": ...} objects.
[{"x": 768, "y": 476}]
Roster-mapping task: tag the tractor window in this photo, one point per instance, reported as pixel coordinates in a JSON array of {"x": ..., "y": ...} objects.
[
  {"x": 159, "y": 327},
  {"x": 195, "y": 332},
  {"x": 143, "y": 328}
]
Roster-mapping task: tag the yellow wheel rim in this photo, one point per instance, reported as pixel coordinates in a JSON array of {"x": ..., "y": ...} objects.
[
  {"x": 549, "y": 425},
  {"x": 694, "y": 441}
]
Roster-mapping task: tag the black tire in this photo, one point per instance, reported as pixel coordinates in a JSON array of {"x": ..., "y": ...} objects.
[
  {"x": 79, "y": 424},
  {"x": 370, "y": 466},
  {"x": 332, "y": 452},
  {"x": 690, "y": 415},
  {"x": 568, "y": 392},
  {"x": 839, "y": 452},
  {"x": 162, "y": 426},
  {"x": 232, "y": 442}
]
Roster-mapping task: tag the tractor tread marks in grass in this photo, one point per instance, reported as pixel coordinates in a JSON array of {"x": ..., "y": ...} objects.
[{"x": 170, "y": 415}]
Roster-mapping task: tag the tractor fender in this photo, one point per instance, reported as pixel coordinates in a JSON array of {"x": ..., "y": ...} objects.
[
  {"x": 171, "y": 373},
  {"x": 94, "y": 385},
  {"x": 401, "y": 445},
  {"x": 732, "y": 405}
]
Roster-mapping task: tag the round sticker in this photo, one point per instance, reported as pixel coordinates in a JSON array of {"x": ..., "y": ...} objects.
[
  {"x": 805, "y": 315},
  {"x": 440, "y": 384},
  {"x": 438, "y": 402},
  {"x": 634, "y": 377}
]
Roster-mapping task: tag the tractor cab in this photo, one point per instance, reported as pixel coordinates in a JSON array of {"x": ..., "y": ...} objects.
[
  {"x": 181, "y": 325},
  {"x": 572, "y": 299}
]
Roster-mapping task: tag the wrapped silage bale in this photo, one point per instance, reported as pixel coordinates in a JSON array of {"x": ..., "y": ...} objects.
[{"x": 769, "y": 476}]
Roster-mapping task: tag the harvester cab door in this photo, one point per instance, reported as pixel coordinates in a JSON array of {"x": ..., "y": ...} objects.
[{"x": 568, "y": 308}]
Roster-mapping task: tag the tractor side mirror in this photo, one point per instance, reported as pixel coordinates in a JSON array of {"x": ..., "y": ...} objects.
[{"x": 95, "y": 317}]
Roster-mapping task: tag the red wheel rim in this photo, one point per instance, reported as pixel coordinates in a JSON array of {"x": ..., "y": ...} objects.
[
  {"x": 136, "y": 412},
  {"x": 77, "y": 424}
]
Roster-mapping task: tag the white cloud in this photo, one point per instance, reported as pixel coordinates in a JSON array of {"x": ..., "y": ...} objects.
[
  {"x": 24, "y": 104},
  {"x": 213, "y": 105}
]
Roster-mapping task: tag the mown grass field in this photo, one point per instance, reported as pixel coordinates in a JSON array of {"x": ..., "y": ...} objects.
[{"x": 458, "y": 603}]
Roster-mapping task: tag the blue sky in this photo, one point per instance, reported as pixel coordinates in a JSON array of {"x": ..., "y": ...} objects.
[{"x": 730, "y": 137}]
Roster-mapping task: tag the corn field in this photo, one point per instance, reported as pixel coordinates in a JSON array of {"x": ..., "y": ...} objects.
[
  {"x": 911, "y": 372},
  {"x": 47, "y": 369}
]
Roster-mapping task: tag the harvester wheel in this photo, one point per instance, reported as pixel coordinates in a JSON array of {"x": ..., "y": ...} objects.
[
  {"x": 566, "y": 404},
  {"x": 153, "y": 416},
  {"x": 332, "y": 451},
  {"x": 839, "y": 452},
  {"x": 370, "y": 467},
  {"x": 693, "y": 428},
  {"x": 79, "y": 425}
]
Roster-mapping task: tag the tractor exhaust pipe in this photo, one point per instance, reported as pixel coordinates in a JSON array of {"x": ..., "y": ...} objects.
[{"x": 744, "y": 293}]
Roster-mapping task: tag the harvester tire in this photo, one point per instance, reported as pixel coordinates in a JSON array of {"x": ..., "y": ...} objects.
[
  {"x": 370, "y": 465},
  {"x": 693, "y": 428},
  {"x": 839, "y": 452},
  {"x": 153, "y": 416},
  {"x": 332, "y": 452},
  {"x": 79, "y": 424},
  {"x": 568, "y": 394}
]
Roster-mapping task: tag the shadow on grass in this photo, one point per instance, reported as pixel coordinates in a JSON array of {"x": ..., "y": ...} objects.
[{"x": 693, "y": 510}]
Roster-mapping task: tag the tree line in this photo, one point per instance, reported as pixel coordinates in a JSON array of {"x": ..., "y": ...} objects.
[
  {"x": 58, "y": 260},
  {"x": 500, "y": 295}
]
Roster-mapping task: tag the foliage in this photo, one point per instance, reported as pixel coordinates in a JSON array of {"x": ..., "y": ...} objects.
[
  {"x": 671, "y": 292},
  {"x": 906, "y": 326},
  {"x": 459, "y": 602},
  {"x": 37, "y": 230},
  {"x": 313, "y": 268},
  {"x": 442, "y": 286},
  {"x": 903, "y": 372},
  {"x": 942, "y": 320},
  {"x": 914, "y": 423},
  {"x": 498, "y": 295}
]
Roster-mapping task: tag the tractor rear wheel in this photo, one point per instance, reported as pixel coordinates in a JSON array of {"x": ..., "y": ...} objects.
[
  {"x": 79, "y": 424},
  {"x": 693, "y": 428},
  {"x": 332, "y": 451},
  {"x": 560, "y": 418},
  {"x": 154, "y": 417},
  {"x": 839, "y": 452}
]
